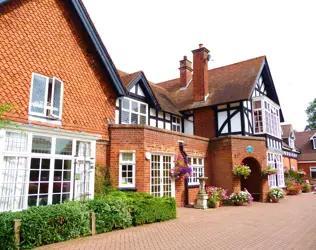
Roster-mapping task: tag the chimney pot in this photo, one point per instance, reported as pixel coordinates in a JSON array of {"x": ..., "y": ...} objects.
[
  {"x": 201, "y": 45},
  {"x": 185, "y": 72},
  {"x": 184, "y": 57}
]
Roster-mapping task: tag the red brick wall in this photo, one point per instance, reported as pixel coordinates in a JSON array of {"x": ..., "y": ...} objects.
[
  {"x": 306, "y": 167},
  {"x": 46, "y": 37},
  {"x": 205, "y": 122},
  {"x": 228, "y": 151},
  {"x": 148, "y": 139},
  {"x": 288, "y": 162}
]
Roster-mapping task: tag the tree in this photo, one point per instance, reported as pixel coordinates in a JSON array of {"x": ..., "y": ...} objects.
[
  {"x": 311, "y": 115},
  {"x": 5, "y": 108}
]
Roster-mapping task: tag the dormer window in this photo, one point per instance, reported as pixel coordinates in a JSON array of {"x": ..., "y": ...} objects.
[
  {"x": 46, "y": 97},
  {"x": 314, "y": 142}
]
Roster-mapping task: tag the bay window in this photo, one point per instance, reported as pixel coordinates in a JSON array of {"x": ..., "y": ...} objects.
[
  {"x": 266, "y": 117},
  {"x": 133, "y": 112},
  {"x": 197, "y": 165},
  {"x": 46, "y": 96},
  {"x": 127, "y": 169},
  {"x": 37, "y": 169}
]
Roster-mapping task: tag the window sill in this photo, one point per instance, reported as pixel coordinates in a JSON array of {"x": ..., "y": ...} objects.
[
  {"x": 44, "y": 120},
  {"x": 133, "y": 189},
  {"x": 193, "y": 185}
]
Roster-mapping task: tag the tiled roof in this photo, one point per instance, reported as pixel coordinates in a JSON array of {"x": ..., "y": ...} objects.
[
  {"x": 226, "y": 84},
  {"x": 160, "y": 93},
  {"x": 286, "y": 130},
  {"x": 304, "y": 143}
]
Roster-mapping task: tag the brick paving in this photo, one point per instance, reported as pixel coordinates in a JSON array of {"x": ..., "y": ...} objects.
[{"x": 290, "y": 224}]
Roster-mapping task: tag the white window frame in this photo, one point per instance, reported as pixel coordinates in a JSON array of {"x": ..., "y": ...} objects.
[
  {"x": 46, "y": 106},
  {"x": 90, "y": 160},
  {"x": 272, "y": 159},
  {"x": 312, "y": 169},
  {"x": 314, "y": 142},
  {"x": 133, "y": 112},
  {"x": 133, "y": 163},
  {"x": 195, "y": 169},
  {"x": 178, "y": 125},
  {"x": 270, "y": 116}
]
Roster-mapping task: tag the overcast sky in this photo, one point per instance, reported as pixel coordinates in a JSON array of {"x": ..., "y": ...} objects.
[{"x": 154, "y": 35}]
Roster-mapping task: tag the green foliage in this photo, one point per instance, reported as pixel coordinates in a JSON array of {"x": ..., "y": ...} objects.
[
  {"x": 292, "y": 177},
  {"x": 111, "y": 213},
  {"x": 49, "y": 224},
  {"x": 211, "y": 202},
  {"x": 103, "y": 180},
  {"x": 4, "y": 109},
  {"x": 7, "y": 240},
  {"x": 242, "y": 170},
  {"x": 116, "y": 210},
  {"x": 311, "y": 115},
  {"x": 306, "y": 188},
  {"x": 276, "y": 193}
]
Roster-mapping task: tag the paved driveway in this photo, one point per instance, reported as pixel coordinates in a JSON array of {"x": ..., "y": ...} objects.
[{"x": 290, "y": 224}]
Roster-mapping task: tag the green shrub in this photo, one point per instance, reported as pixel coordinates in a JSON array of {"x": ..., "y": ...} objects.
[
  {"x": 7, "y": 240},
  {"x": 306, "y": 188},
  {"x": 49, "y": 224},
  {"x": 111, "y": 213}
]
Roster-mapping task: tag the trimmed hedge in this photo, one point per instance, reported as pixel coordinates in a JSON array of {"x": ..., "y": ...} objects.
[{"x": 116, "y": 210}]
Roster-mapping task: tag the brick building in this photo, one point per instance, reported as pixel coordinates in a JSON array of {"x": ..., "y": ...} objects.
[
  {"x": 290, "y": 151},
  {"x": 306, "y": 142},
  {"x": 76, "y": 109}
]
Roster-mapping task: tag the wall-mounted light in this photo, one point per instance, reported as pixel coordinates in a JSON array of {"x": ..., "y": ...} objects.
[{"x": 147, "y": 155}]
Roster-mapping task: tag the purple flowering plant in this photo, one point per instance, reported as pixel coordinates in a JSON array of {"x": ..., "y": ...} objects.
[{"x": 181, "y": 170}]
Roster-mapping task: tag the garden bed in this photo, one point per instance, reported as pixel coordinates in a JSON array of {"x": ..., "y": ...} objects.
[{"x": 50, "y": 224}]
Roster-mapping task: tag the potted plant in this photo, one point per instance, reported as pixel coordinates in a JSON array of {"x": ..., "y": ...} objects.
[
  {"x": 268, "y": 171},
  {"x": 239, "y": 198},
  {"x": 293, "y": 189},
  {"x": 276, "y": 194},
  {"x": 218, "y": 192},
  {"x": 301, "y": 172},
  {"x": 181, "y": 170},
  {"x": 242, "y": 170},
  {"x": 213, "y": 202},
  {"x": 306, "y": 188}
]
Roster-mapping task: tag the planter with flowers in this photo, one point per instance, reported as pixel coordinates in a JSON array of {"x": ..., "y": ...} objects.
[
  {"x": 239, "y": 198},
  {"x": 242, "y": 170},
  {"x": 293, "y": 189},
  {"x": 268, "y": 171},
  {"x": 301, "y": 172},
  {"x": 181, "y": 170},
  {"x": 276, "y": 194},
  {"x": 216, "y": 196}
]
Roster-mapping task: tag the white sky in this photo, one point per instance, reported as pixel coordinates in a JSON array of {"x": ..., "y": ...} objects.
[{"x": 154, "y": 35}]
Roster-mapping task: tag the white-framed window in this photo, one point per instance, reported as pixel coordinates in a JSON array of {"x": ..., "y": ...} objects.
[
  {"x": 313, "y": 172},
  {"x": 134, "y": 112},
  {"x": 41, "y": 169},
  {"x": 275, "y": 160},
  {"x": 127, "y": 169},
  {"x": 257, "y": 114},
  {"x": 291, "y": 143},
  {"x": 314, "y": 142},
  {"x": 46, "y": 96},
  {"x": 197, "y": 165},
  {"x": 176, "y": 123},
  {"x": 266, "y": 116}
]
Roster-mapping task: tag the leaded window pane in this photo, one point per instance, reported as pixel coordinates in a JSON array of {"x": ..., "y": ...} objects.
[
  {"x": 63, "y": 146},
  {"x": 38, "y": 98},
  {"x": 41, "y": 144},
  {"x": 15, "y": 141}
]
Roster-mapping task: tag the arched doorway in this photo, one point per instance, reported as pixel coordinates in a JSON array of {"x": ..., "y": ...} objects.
[{"x": 253, "y": 182}]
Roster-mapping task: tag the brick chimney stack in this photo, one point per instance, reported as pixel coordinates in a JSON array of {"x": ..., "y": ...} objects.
[
  {"x": 185, "y": 72},
  {"x": 200, "y": 74}
]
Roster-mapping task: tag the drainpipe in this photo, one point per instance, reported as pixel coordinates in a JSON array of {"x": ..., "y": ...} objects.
[{"x": 186, "y": 160}]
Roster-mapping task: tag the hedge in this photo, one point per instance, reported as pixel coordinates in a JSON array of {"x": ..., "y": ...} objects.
[{"x": 55, "y": 223}]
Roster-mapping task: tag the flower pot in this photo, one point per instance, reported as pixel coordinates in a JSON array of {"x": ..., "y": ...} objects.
[
  {"x": 275, "y": 199},
  {"x": 238, "y": 203},
  {"x": 216, "y": 205}
]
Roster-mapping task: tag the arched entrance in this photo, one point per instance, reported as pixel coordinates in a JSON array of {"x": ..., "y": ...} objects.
[{"x": 253, "y": 182}]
